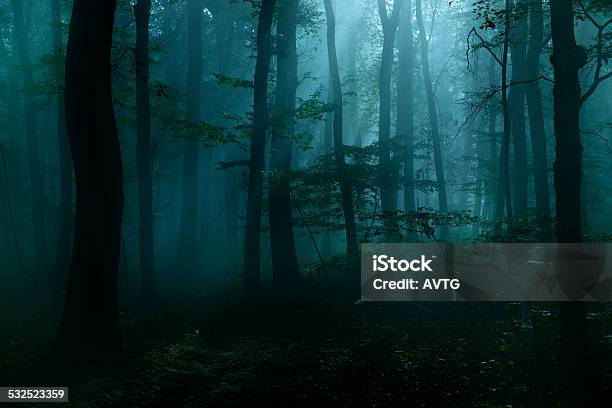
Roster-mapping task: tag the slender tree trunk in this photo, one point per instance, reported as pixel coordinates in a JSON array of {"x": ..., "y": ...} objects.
[
  {"x": 388, "y": 191},
  {"x": 492, "y": 109},
  {"x": 433, "y": 116},
  {"x": 468, "y": 154},
  {"x": 90, "y": 323},
  {"x": 66, "y": 178},
  {"x": 252, "y": 279},
  {"x": 534, "y": 109},
  {"x": 285, "y": 268},
  {"x": 503, "y": 185},
  {"x": 516, "y": 107},
  {"x": 30, "y": 119},
  {"x": 142, "y": 12},
  {"x": 188, "y": 229},
  {"x": 352, "y": 119},
  {"x": 567, "y": 59},
  {"x": 352, "y": 248},
  {"x": 405, "y": 101}
]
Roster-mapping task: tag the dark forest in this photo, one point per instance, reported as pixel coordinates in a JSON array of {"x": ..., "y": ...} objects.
[{"x": 185, "y": 186}]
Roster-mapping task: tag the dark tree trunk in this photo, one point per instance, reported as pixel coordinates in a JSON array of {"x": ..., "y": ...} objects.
[
  {"x": 567, "y": 59},
  {"x": 405, "y": 101},
  {"x": 188, "y": 228},
  {"x": 66, "y": 178},
  {"x": 388, "y": 190},
  {"x": 35, "y": 171},
  {"x": 352, "y": 119},
  {"x": 433, "y": 116},
  {"x": 352, "y": 248},
  {"x": 468, "y": 153},
  {"x": 252, "y": 278},
  {"x": 285, "y": 268},
  {"x": 90, "y": 323},
  {"x": 516, "y": 107},
  {"x": 503, "y": 184},
  {"x": 142, "y": 11},
  {"x": 534, "y": 109},
  {"x": 492, "y": 110}
]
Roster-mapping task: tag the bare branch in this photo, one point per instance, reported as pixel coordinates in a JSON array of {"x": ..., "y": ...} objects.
[{"x": 484, "y": 45}]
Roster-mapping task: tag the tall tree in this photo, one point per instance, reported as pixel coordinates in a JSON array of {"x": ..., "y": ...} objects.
[
  {"x": 66, "y": 179},
  {"x": 567, "y": 59},
  {"x": 352, "y": 246},
  {"x": 503, "y": 194},
  {"x": 433, "y": 115},
  {"x": 142, "y": 12},
  {"x": 187, "y": 244},
  {"x": 285, "y": 268},
  {"x": 492, "y": 110},
  {"x": 388, "y": 192},
  {"x": 405, "y": 101},
  {"x": 534, "y": 108},
  {"x": 252, "y": 278},
  {"x": 516, "y": 103},
  {"x": 30, "y": 124},
  {"x": 90, "y": 322}
]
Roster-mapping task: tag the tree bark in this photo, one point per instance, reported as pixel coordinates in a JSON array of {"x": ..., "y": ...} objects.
[
  {"x": 188, "y": 229},
  {"x": 142, "y": 12},
  {"x": 285, "y": 267},
  {"x": 30, "y": 122},
  {"x": 567, "y": 59},
  {"x": 90, "y": 322},
  {"x": 252, "y": 279}
]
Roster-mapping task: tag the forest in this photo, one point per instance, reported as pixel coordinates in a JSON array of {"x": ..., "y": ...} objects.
[{"x": 185, "y": 186}]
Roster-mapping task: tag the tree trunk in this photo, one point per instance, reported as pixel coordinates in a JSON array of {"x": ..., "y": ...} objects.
[
  {"x": 142, "y": 11},
  {"x": 352, "y": 119},
  {"x": 388, "y": 191},
  {"x": 567, "y": 59},
  {"x": 433, "y": 116},
  {"x": 90, "y": 323},
  {"x": 503, "y": 185},
  {"x": 516, "y": 108},
  {"x": 352, "y": 246},
  {"x": 405, "y": 101},
  {"x": 30, "y": 109},
  {"x": 66, "y": 179},
  {"x": 285, "y": 268},
  {"x": 187, "y": 249},
  {"x": 252, "y": 279},
  {"x": 492, "y": 109},
  {"x": 534, "y": 109}
]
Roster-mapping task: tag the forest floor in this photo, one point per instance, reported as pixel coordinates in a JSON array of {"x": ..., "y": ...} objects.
[{"x": 306, "y": 352}]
